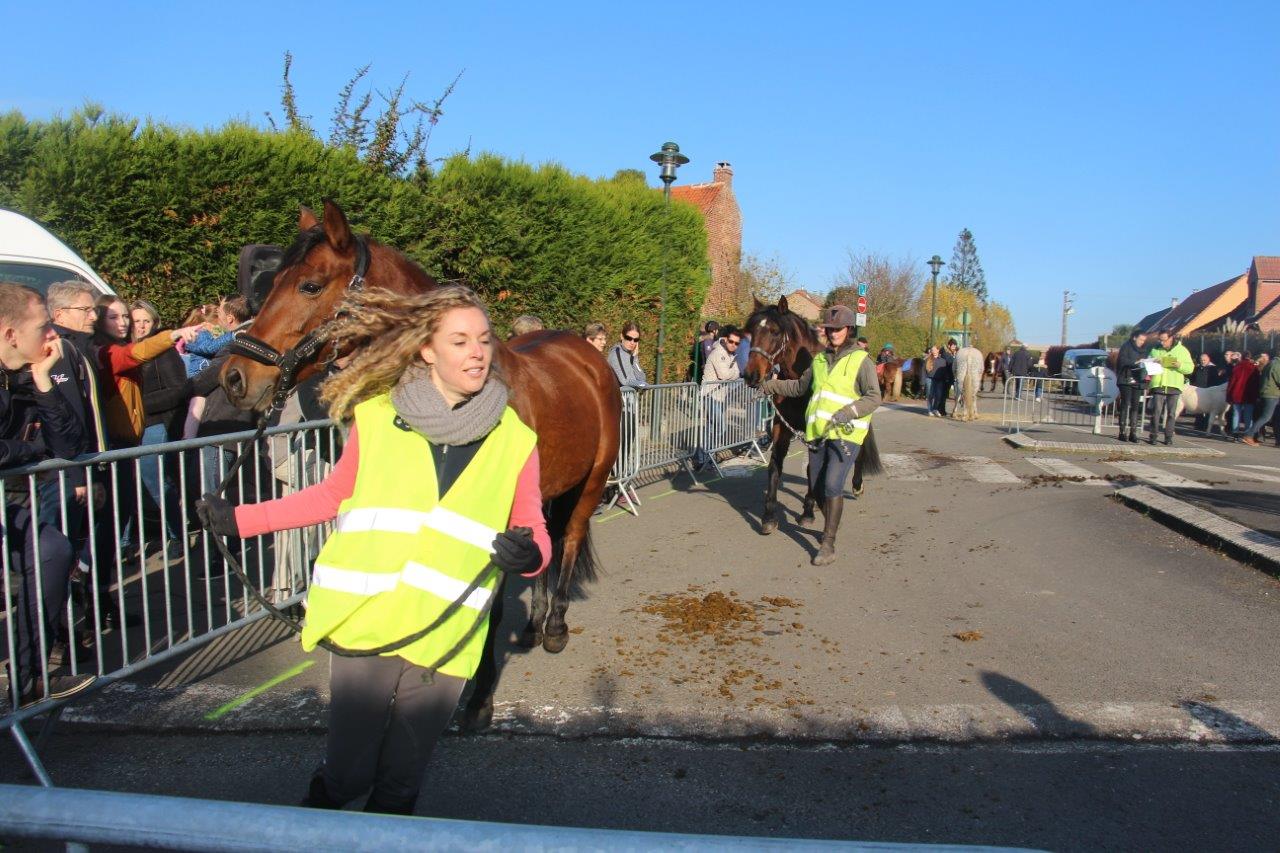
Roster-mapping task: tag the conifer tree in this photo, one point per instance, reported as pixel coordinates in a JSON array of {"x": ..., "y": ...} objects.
[{"x": 965, "y": 269}]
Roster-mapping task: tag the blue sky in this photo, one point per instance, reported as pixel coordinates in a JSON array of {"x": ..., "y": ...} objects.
[{"x": 1126, "y": 152}]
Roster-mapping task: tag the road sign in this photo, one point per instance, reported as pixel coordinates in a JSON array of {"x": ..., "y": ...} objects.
[
  {"x": 860, "y": 320},
  {"x": 862, "y": 290},
  {"x": 862, "y": 304}
]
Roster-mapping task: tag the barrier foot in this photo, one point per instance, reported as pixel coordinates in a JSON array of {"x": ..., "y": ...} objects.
[
  {"x": 29, "y": 754},
  {"x": 689, "y": 470},
  {"x": 47, "y": 727}
]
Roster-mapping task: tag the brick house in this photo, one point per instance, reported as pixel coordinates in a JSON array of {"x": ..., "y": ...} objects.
[
  {"x": 719, "y": 207},
  {"x": 1252, "y": 299},
  {"x": 805, "y": 304}
]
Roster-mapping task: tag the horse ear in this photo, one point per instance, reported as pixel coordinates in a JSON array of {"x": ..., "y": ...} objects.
[
  {"x": 336, "y": 229},
  {"x": 306, "y": 218},
  {"x": 758, "y": 304},
  {"x": 782, "y": 304}
]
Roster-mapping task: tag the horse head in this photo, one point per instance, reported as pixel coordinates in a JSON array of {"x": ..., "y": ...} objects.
[
  {"x": 779, "y": 338},
  {"x": 289, "y": 334}
]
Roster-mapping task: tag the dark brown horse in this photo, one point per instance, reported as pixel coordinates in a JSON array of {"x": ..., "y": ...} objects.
[
  {"x": 781, "y": 340},
  {"x": 994, "y": 370},
  {"x": 560, "y": 386}
]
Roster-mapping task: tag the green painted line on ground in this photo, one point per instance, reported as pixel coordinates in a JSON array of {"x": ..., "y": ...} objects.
[
  {"x": 602, "y": 519},
  {"x": 261, "y": 688}
]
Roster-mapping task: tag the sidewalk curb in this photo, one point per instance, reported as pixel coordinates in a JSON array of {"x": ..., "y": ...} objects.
[
  {"x": 1241, "y": 542},
  {"x": 1021, "y": 442}
]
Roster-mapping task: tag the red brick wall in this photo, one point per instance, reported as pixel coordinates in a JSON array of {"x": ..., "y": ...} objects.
[
  {"x": 724, "y": 249},
  {"x": 1267, "y": 292}
]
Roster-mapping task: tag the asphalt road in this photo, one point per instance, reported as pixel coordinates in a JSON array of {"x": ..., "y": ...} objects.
[{"x": 1002, "y": 654}]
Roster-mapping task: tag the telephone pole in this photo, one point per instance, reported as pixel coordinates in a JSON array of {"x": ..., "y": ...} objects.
[{"x": 1068, "y": 308}]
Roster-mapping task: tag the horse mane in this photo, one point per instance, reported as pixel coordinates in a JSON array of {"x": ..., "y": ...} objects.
[{"x": 302, "y": 246}]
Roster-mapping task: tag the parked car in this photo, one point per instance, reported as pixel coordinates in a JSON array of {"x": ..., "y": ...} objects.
[
  {"x": 30, "y": 255},
  {"x": 1079, "y": 364}
]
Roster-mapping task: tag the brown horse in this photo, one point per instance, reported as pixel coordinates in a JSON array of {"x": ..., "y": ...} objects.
[
  {"x": 781, "y": 340},
  {"x": 560, "y": 386},
  {"x": 993, "y": 369},
  {"x": 890, "y": 376}
]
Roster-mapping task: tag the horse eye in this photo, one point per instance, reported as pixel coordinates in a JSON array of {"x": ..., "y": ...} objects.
[{"x": 310, "y": 288}]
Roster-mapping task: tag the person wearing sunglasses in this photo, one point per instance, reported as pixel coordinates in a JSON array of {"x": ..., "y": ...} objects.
[{"x": 623, "y": 360}]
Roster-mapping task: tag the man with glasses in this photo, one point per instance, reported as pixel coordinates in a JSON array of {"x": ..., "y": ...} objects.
[
  {"x": 721, "y": 367},
  {"x": 622, "y": 358}
]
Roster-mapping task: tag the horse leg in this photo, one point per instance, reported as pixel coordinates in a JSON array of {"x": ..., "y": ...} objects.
[
  {"x": 532, "y": 636},
  {"x": 478, "y": 715},
  {"x": 577, "y": 562},
  {"x": 781, "y": 443}
]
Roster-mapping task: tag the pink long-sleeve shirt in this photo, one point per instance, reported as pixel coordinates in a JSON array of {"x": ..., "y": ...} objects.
[{"x": 319, "y": 503}]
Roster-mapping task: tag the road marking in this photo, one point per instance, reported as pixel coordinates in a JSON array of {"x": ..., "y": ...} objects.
[
  {"x": 900, "y": 466},
  {"x": 1143, "y": 471},
  {"x": 1063, "y": 468},
  {"x": 1228, "y": 473},
  {"x": 261, "y": 688},
  {"x": 984, "y": 470},
  {"x": 1260, "y": 467}
]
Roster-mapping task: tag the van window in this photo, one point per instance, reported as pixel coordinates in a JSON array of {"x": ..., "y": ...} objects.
[
  {"x": 1091, "y": 360},
  {"x": 36, "y": 276}
]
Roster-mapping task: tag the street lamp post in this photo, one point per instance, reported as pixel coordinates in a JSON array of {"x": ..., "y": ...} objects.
[
  {"x": 936, "y": 263},
  {"x": 669, "y": 159},
  {"x": 965, "y": 319}
]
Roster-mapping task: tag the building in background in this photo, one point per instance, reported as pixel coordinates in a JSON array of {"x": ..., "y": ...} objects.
[
  {"x": 723, "y": 218},
  {"x": 1250, "y": 301},
  {"x": 805, "y": 304}
]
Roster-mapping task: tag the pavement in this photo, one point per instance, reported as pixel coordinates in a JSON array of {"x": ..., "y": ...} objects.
[{"x": 1005, "y": 652}]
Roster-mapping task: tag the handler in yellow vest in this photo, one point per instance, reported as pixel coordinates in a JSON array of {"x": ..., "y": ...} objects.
[
  {"x": 1166, "y": 386},
  {"x": 844, "y": 393},
  {"x": 437, "y": 485}
]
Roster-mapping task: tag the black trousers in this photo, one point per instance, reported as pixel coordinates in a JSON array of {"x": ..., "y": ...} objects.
[
  {"x": 1162, "y": 408},
  {"x": 385, "y": 716},
  {"x": 1128, "y": 407},
  {"x": 41, "y": 588},
  {"x": 829, "y": 466}
]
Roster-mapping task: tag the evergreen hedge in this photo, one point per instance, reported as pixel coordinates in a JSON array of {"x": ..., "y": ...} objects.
[{"x": 162, "y": 212}]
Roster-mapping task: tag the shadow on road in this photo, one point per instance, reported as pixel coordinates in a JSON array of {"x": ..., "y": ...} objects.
[{"x": 1035, "y": 706}]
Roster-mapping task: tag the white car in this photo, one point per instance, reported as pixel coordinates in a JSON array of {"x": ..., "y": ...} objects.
[
  {"x": 1080, "y": 364},
  {"x": 30, "y": 255}
]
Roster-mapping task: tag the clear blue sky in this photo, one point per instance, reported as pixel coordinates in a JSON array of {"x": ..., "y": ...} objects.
[{"x": 1125, "y": 151}]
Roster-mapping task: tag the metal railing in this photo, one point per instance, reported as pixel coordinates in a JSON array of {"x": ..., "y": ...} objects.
[
  {"x": 730, "y": 419},
  {"x": 1033, "y": 400},
  {"x": 105, "y": 572}
]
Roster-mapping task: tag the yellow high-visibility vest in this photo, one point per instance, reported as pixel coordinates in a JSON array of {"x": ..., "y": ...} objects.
[
  {"x": 832, "y": 391},
  {"x": 400, "y": 554}
]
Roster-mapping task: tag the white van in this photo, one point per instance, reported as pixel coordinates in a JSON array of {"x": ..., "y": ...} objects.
[{"x": 30, "y": 255}]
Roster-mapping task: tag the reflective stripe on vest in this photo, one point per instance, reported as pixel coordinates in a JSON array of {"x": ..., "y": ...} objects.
[
  {"x": 832, "y": 391},
  {"x": 400, "y": 554}
]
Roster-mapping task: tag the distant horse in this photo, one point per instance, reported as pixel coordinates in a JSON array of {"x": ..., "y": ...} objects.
[
  {"x": 782, "y": 340},
  {"x": 1210, "y": 401},
  {"x": 993, "y": 369},
  {"x": 559, "y": 386},
  {"x": 890, "y": 375}
]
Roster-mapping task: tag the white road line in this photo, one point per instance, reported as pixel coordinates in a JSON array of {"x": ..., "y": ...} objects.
[
  {"x": 1228, "y": 473},
  {"x": 1063, "y": 468},
  {"x": 900, "y": 466},
  {"x": 984, "y": 470},
  {"x": 1260, "y": 467},
  {"x": 1143, "y": 471}
]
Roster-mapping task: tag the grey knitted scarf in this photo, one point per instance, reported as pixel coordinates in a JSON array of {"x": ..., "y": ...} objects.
[{"x": 419, "y": 403}]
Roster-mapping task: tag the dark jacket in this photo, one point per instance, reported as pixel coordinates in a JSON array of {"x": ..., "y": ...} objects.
[
  {"x": 1207, "y": 376},
  {"x": 220, "y": 415},
  {"x": 944, "y": 367},
  {"x": 35, "y": 425},
  {"x": 1020, "y": 363},
  {"x": 1128, "y": 370},
  {"x": 165, "y": 392}
]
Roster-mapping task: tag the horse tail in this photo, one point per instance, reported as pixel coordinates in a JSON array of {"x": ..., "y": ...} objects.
[
  {"x": 586, "y": 564},
  {"x": 870, "y": 455}
]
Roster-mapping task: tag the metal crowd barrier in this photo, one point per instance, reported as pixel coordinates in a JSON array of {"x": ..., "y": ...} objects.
[
  {"x": 1033, "y": 400},
  {"x": 105, "y": 609},
  {"x": 174, "y": 823},
  {"x": 730, "y": 419}
]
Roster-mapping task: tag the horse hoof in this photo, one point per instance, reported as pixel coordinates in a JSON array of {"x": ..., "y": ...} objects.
[
  {"x": 531, "y": 639},
  {"x": 555, "y": 643},
  {"x": 768, "y": 525},
  {"x": 478, "y": 719},
  {"x": 806, "y": 519}
]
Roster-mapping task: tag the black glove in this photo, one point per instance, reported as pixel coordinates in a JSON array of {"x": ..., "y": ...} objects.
[
  {"x": 515, "y": 551},
  {"x": 845, "y": 416},
  {"x": 217, "y": 515}
]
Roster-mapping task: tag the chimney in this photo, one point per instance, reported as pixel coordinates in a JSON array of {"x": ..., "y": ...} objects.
[
  {"x": 1173, "y": 303},
  {"x": 723, "y": 174}
]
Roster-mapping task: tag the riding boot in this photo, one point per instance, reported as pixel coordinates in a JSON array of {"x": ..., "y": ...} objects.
[{"x": 832, "y": 509}]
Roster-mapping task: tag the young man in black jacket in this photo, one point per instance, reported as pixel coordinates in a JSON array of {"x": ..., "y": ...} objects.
[
  {"x": 1131, "y": 378},
  {"x": 35, "y": 423}
]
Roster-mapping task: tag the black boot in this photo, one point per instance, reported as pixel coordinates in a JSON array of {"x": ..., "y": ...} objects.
[
  {"x": 318, "y": 793},
  {"x": 381, "y": 803},
  {"x": 832, "y": 508}
]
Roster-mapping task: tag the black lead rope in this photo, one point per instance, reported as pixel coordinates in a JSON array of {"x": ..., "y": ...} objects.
[{"x": 289, "y": 362}]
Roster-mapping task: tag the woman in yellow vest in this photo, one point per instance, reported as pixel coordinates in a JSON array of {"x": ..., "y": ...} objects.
[
  {"x": 437, "y": 485},
  {"x": 844, "y": 392}
]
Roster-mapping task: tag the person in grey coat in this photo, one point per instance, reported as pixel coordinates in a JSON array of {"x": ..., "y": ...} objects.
[{"x": 622, "y": 358}]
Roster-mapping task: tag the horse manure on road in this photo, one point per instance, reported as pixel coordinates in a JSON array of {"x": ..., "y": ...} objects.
[{"x": 968, "y": 636}]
